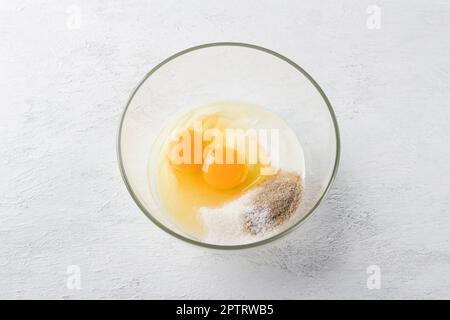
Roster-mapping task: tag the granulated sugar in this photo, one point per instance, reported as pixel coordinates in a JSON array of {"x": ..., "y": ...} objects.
[
  {"x": 225, "y": 225},
  {"x": 255, "y": 215}
]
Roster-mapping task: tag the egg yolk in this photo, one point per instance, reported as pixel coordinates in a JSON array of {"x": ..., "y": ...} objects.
[
  {"x": 223, "y": 174},
  {"x": 221, "y": 167}
]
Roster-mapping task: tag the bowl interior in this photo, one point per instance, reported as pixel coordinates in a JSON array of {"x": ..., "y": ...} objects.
[{"x": 224, "y": 72}]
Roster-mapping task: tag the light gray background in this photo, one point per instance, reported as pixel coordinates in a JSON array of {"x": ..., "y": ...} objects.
[{"x": 62, "y": 200}]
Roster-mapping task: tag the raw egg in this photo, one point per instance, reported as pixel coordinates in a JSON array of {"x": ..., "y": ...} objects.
[
  {"x": 195, "y": 168},
  {"x": 225, "y": 173}
]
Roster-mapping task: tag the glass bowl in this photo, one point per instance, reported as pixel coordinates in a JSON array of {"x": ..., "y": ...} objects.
[{"x": 228, "y": 71}]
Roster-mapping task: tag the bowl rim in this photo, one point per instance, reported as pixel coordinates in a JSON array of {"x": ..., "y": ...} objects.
[{"x": 239, "y": 246}]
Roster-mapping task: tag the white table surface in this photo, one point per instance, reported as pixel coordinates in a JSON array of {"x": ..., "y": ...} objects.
[{"x": 66, "y": 71}]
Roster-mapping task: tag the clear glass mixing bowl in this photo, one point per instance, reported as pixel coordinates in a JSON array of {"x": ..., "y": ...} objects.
[{"x": 223, "y": 72}]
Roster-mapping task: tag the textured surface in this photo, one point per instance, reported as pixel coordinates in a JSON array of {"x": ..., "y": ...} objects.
[{"x": 66, "y": 70}]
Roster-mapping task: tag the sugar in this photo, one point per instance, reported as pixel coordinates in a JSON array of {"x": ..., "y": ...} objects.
[
  {"x": 226, "y": 225},
  {"x": 255, "y": 215}
]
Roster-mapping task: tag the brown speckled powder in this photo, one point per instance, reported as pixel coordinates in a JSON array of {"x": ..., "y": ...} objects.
[{"x": 275, "y": 202}]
